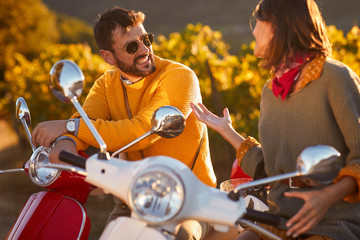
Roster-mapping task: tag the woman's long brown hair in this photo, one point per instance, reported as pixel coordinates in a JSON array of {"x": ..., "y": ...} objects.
[{"x": 298, "y": 29}]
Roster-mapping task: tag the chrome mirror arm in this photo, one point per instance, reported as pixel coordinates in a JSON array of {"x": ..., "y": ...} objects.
[
  {"x": 68, "y": 168},
  {"x": 89, "y": 124},
  {"x": 12, "y": 170},
  {"x": 28, "y": 134},
  {"x": 266, "y": 180},
  {"x": 132, "y": 143},
  {"x": 319, "y": 162},
  {"x": 166, "y": 121}
]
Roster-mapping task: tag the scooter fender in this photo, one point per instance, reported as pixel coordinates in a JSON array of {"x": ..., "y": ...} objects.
[
  {"x": 130, "y": 229},
  {"x": 50, "y": 215}
]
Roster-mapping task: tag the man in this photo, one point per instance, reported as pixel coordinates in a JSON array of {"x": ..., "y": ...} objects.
[{"x": 121, "y": 103}]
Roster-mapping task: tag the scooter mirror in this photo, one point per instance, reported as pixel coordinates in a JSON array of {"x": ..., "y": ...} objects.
[
  {"x": 66, "y": 83},
  {"x": 22, "y": 111},
  {"x": 168, "y": 122},
  {"x": 316, "y": 165},
  {"x": 66, "y": 80},
  {"x": 319, "y": 165},
  {"x": 23, "y": 115}
]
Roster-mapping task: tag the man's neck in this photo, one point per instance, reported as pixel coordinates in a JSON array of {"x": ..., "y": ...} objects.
[{"x": 129, "y": 81}]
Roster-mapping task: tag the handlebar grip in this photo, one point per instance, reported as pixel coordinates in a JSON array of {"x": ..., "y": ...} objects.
[
  {"x": 73, "y": 159},
  {"x": 264, "y": 217}
]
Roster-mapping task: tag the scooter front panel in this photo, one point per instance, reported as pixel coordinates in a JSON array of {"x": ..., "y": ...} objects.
[{"x": 50, "y": 215}]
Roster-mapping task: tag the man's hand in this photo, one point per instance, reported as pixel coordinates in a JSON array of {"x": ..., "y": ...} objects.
[
  {"x": 66, "y": 145},
  {"x": 45, "y": 133}
]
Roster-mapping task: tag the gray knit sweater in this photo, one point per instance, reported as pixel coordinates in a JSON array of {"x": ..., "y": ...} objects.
[{"x": 326, "y": 111}]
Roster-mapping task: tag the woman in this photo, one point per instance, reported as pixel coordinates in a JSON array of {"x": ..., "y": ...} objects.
[{"x": 311, "y": 99}]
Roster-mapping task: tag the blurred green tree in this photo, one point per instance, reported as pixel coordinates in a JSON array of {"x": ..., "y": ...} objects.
[
  {"x": 30, "y": 80},
  {"x": 74, "y": 30},
  {"x": 26, "y": 27}
]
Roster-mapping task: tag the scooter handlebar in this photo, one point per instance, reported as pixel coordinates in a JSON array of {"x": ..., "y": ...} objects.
[
  {"x": 72, "y": 159},
  {"x": 264, "y": 217}
]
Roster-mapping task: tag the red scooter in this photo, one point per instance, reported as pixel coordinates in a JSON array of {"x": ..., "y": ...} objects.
[{"x": 57, "y": 213}]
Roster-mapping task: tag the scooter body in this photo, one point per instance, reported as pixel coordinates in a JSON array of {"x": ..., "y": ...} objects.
[
  {"x": 51, "y": 215},
  {"x": 57, "y": 213},
  {"x": 131, "y": 229},
  {"x": 199, "y": 201}
]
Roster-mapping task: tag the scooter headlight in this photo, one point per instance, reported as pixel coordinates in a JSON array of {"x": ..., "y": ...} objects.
[
  {"x": 156, "y": 194},
  {"x": 42, "y": 176}
]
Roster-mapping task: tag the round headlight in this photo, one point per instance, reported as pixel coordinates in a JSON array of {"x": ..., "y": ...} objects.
[
  {"x": 42, "y": 176},
  {"x": 156, "y": 194}
]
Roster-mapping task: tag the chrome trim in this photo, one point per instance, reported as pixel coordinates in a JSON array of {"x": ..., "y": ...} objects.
[
  {"x": 23, "y": 115},
  {"x": 68, "y": 168},
  {"x": 66, "y": 83},
  {"x": 12, "y": 170},
  {"x": 166, "y": 121},
  {"x": 34, "y": 166},
  {"x": 167, "y": 171},
  {"x": 259, "y": 229},
  {"x": 83, "y": 213}
]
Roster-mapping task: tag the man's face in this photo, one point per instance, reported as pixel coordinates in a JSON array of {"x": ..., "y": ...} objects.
[{"x": 139, "y": 64}]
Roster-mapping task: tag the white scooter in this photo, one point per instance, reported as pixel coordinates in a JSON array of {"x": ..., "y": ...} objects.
[{"x": 161, "y": 191}]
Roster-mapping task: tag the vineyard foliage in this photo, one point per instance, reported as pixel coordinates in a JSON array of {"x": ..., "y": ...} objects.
[
  {"x": 226, "y": 80},
  {"x": 30, "y": 80},
  {"x": 26, "y": 27}
]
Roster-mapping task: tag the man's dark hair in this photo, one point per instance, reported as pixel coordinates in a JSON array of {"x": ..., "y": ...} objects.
[{"x": 109, "y": 20}]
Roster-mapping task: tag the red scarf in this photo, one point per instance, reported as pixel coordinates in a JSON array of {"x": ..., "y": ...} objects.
[{"x": 285, "y": 76}]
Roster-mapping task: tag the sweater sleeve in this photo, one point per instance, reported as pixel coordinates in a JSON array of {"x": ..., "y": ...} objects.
[
  {"x": 181, "y": 86},
  {"x": 352, "y": 171},
  {"x": 252, "y": 160},
  {"x": 178, "y": 86},
  {"x": 344, "y": 98}
]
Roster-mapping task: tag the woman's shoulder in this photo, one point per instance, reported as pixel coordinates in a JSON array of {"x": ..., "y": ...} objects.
[
  {"x": 339, "y": 72},
  {"x": 267, "y": 86},
  {"x": 340, "y": 78},
  {"x": 333, "y": 66}
]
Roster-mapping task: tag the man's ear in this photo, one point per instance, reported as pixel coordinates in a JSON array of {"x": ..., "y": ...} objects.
[{"x": 107, "y": 56}]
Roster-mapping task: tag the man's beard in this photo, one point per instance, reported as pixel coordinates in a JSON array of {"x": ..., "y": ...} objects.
[{"x": 132, "y": 70}]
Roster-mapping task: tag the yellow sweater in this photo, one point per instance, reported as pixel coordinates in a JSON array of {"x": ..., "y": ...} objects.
[{"x": 171, "y": 84}]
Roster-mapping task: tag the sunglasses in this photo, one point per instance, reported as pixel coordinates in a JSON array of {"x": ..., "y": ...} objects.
[{"x": 133, "y": 46}]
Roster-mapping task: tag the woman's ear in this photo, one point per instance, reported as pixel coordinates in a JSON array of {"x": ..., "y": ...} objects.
[{"x": 107, "y": 56}]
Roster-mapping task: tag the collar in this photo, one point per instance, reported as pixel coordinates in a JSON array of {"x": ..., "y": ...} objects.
[
  {"x": 312, "y": 73},
  {"x": 125, "y": 80}
]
